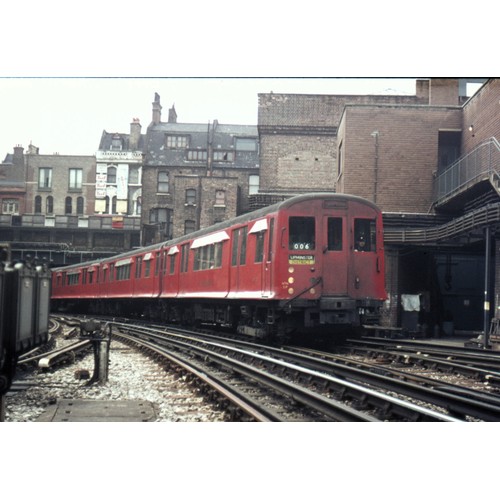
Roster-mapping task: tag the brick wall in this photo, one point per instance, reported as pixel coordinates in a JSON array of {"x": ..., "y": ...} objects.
[
  {"x": 407, "y": 153},
  {"x": 483, "y": 112},
  {"x": 61, "y": 164}
]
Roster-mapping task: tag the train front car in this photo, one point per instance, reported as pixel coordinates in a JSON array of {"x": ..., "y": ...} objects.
[{"x": 330, "y": 274}]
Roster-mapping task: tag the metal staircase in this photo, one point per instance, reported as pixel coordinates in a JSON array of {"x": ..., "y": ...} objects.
[{"x": 481, "y": 165}]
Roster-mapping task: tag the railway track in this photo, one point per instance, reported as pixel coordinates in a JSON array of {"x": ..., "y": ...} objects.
[
  {"x": 301, "y": 380},
  {"x": 377, "y": 381}
]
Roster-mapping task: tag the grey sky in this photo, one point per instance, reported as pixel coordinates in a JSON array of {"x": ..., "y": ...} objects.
[{"x": 68, "y": 115}]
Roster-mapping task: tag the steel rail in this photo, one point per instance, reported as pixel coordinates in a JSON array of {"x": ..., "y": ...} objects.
[
  {"x": 326, "y": 406},
  {"x": 364, "y": 394}
]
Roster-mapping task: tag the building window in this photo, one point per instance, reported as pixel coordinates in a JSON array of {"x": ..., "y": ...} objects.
[
  {"x": 49, "y": 205},
  {"x": 177, "y": 141},
  {"x": 79, "y": 205},
  {"x": 189, "y": 226},
  {"x": 253, "y": 184},
  {"x": 133, "y": 175},
  {"x": 10, "y": 206},
  {"x": 197, "y": 155},
  {"x": 116, "y": 143},
  {"x": 113, "y": 205},
  {"x": 340, "y": 155},
  {"x": 163, "y": 182},
  {"x": 162, "y": 217},
  {"x": 246, "y": 144},
  {"x": 38, "y": 204},
  {"x": 220, "y": 197},
  {"x": 45, "y": 178},
  {"x": 111, "y": 179},
  {"x": 68, "y": 205},
  {"x": 190, "y": 196},
  {"x": 75, "y": 178},
  {"x": 223, "y": 155}
]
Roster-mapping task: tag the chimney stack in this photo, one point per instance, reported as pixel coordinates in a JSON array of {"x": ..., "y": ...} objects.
[
  {"x": 18, "y": 155},
  {"x": 156, "y": 109},
  {"x": 135, "y": 134},
  {"x": 172, "y": 115}
]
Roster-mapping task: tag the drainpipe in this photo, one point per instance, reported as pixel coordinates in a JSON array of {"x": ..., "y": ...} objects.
[
  {"x": 487, "y": 262},
  {"x": 375, "y": 181}
]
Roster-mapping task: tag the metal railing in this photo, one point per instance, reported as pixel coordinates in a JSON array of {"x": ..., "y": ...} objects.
[
  {"x": 480, "y": 164},
  {"x": 472, "y": 222}
]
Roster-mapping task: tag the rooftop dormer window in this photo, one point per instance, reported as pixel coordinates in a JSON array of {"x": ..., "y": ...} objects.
[
  {"x": 116, "y": 143},
  {"x": 177, "y": 141}
]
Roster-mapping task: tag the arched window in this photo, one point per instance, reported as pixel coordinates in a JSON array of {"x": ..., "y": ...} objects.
[
  {"x": 111, "y": 175},
  {"x": 110, "y": 209},
  {"x": 38, "y": 204},
  {"x": 68, "y": 205},
  {"x": 79, "y": 205},
  {"x": 49, "y": 205}
]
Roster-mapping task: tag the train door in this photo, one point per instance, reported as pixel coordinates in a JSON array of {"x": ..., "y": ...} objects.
[
  {"x": 267, "y": 268},
  {"x": 238, "y": 258},
  {"x": 364, "y": 257},
  {"x": 335, "y": 254}
]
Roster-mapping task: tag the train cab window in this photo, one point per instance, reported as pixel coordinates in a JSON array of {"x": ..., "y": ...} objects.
[
  {"x": 334, "y": 234},
  {"x": 302, "y": 233},
  {"x": 364, "y": 235}
]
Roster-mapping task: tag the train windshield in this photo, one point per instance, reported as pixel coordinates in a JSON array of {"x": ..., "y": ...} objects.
[
  {"x": 364, "y": 235},
  {"x": 302, "y": 233}
]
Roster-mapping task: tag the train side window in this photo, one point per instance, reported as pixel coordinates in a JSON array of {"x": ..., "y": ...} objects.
[
  {"x": 243, "y": 249},
  {"x": 259, "y": 246},
  {"x": 157, "y": 263},
  {"x": 271, "y": 237},
  {"x": 184, "y": 257},
  {"x": 302, "y": 233},
  {"x": 84, "y": 276},
  {"x": 218, "y": 255},
  {"x": 334, "y": 233},
  {"x": 91, "y": 277},
  {"x": 111, "y": 272},
  {"x": 365, "y": 235},
  {"x": 123, "y": 272},
  {"x": 172, "y": 263},
  {"x": 138, "y": 267},
  {"x": 147, "y": 268},
  {"x": 234, "y": 255}
]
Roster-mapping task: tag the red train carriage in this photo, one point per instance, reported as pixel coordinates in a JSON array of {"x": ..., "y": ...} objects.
[{"x": 312, "y": 260}]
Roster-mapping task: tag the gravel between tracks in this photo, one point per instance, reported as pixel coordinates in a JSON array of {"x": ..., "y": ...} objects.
[{"x": 132, "y": 376}]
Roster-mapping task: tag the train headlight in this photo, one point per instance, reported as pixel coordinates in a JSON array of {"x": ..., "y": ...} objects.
[
  {"x": 290, "y": 291},
  {"x": 291, "y": 269},
  {"x": 291, "y": 280}
]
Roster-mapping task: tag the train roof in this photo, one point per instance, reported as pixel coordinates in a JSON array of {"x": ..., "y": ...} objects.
[{"x": 241, "y": 219}]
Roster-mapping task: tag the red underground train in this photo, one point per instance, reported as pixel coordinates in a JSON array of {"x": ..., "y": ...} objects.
[{"x": 311, "y": 262}]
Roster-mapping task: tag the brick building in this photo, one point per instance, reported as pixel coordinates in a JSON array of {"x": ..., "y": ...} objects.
[
  {"x": 428, "y": 160},
  {"x": 195, "y": 175},
  {"x": 48, "y": 209}
]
